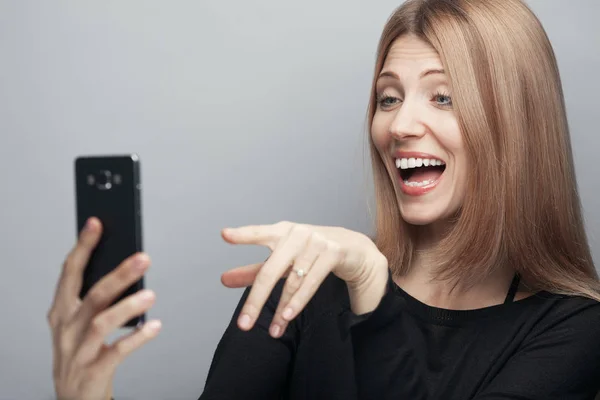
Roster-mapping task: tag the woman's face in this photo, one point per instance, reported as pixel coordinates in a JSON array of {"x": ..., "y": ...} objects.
[{"x": 417, "y": 134}]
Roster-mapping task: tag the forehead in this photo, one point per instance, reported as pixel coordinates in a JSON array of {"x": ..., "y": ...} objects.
[{"x": 410, "y": 53}]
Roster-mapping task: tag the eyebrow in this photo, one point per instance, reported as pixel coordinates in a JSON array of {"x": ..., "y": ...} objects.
[{"x": 390, "y": 74}]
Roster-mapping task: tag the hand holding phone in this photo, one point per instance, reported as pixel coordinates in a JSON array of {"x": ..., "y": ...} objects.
[{"x": 101, "y": 285}]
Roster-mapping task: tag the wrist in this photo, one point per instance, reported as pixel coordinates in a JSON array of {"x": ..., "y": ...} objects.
[{"x": 366, "y": 295}]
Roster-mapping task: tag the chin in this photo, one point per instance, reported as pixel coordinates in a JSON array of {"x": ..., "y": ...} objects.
[
  {"x": 424, "y": 214},
  {"x": 413, "y": 218}
]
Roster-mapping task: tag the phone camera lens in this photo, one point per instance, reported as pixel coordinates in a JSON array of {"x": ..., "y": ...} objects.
[{"x": 104, "y": 180}]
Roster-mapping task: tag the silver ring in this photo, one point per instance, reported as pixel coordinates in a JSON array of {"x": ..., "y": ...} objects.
[{"x": 300, "y": 272}]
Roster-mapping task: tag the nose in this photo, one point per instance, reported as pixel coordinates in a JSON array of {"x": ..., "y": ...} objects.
[{"x": 407, "y": 123}]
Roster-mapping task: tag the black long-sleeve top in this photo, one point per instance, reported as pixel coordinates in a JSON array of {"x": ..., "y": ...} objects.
[{"x": 546, "y": 347}]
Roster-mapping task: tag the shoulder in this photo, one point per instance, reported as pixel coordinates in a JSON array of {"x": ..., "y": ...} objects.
[
  {"x": 573, "y": 310},
  {"x": 573, "y": 321}
]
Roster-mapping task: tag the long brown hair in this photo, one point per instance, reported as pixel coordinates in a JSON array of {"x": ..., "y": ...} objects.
[{"x": 522, "y": 207}]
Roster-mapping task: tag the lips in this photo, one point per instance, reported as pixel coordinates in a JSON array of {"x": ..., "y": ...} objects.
[{"x": 419, "y": 173}]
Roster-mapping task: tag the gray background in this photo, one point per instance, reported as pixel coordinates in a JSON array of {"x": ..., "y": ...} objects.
[{"x": 242, "y": 112}]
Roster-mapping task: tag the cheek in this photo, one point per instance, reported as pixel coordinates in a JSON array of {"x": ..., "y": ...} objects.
[
  {"x": 454, "y": 144},
  {"x": 452, "y": 138}
]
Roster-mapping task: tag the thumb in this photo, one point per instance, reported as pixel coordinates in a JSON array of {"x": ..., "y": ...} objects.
[{"x": 241, "y": 276}]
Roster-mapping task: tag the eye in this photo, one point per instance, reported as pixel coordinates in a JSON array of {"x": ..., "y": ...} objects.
[
  {"x": 386, "y": 101},
  {"x": 443, "y": 100}
]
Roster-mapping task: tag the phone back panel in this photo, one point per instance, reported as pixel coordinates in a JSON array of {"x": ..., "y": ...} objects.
[{"x": 109, "y": 188}]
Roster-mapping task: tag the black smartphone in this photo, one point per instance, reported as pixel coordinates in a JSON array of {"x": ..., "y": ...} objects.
[{"x": 108, "y": 187}]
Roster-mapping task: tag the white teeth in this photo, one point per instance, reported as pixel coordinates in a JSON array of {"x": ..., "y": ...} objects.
[
  {"x": 418, "y": 184},
  {"x": 405, "y": 163}
]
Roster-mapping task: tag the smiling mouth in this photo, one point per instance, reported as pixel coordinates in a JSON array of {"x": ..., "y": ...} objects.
[{"x": 420, "y": 172}]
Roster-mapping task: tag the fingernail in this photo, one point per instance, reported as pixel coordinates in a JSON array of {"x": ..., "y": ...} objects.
[
  {"x": 146, "y": 295},
  {"x": 244, "y": 321},
  {"x": 275, "y": 330},
  {"x": 140, "y": 262},
  {"x": 154, "y": 325},
  {"x": 288, "y": 313},
  {"x": 88, "y": 224}
]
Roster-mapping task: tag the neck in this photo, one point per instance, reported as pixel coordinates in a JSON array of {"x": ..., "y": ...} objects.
[{"x": 420, "y": 280}]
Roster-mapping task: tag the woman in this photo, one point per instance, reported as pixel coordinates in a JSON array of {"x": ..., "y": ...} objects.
[{"x": 479, "y": 283}]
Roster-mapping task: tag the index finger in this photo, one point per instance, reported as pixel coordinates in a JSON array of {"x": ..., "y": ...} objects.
[
  {"x": 71, "y": 277},
  {"x": 264, "y": 235}
]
